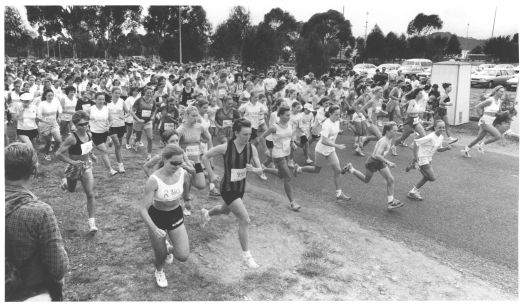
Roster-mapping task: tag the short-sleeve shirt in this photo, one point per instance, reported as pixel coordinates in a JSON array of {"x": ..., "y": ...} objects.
[{"x": 329, "y": 130}]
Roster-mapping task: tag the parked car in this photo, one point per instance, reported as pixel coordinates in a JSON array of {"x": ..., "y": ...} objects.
[
  {"x": 369, "y": 68},
  {"x": 391, "y": 69},
  {"x": 512, "y": 84},
  {"x": 504, "y": 66},
  {"x": 477, "y": 69},
  {"x": 517, "y": 69},
  {"x": 491, "y": 77},
  {"x": 416, "y": 65}
]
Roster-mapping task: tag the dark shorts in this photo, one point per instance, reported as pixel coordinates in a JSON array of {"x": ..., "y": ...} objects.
[
  {"x": 254, "y": 134},
  {"x": 269, "y": 144},
  {"x": 31, "y": 134},
  {"x": 99, "y": 138},
  {"x": 304, "y": 140},
  {"x": 129, "y": 124},
  {"x": 374, "y": 165},
  {"x": 166, "y": 220},
  {"x": 119, "y": 131},
  {"x": 442, "y": 112},
  {"x": 230, "y": 197},
  {"x": 410, "y": 121}
]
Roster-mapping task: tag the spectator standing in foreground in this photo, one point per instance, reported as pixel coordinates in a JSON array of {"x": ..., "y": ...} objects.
[{"x": 36, "y": 260}]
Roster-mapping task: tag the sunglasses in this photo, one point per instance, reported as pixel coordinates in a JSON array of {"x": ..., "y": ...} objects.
[
  {"x": 176, "y": 163},
  {"x": 83, "y": 124}
]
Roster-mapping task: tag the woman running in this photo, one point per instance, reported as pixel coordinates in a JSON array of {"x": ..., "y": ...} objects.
[
  {"x": 169, "y": 117},
  {"x": 325, "y": 151},
  {"x": 415, "y": 108},
  {"x": 373, "y": 111},
  {"x": 162, "y": 211},
  {"x": 118, "y": 110},
  {"x": 48, "y": 112},
  {"x": 143, "y": 111},
  {"x": 26, "y": 122},
  {"x": 68, "y": 103},
  {"x": 100, "y": 120},
  {"x": 424, "y": 149},
  {"x": 238, "y": 156},
  {"x": 128, "y": 118},
  {"x": 444, "y": 102},
  {"x": 487, "y": 110},
  {"x": 224, "y": 119},
  {"x": 282, "y": 138},
  {"x": 77, "y": 151},
  {"x": 378, "y": 162},
  {"x": 187, "y": 92}
]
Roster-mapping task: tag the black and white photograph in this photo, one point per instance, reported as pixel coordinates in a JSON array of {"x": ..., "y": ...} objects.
[{"x": 261, "y": 151}]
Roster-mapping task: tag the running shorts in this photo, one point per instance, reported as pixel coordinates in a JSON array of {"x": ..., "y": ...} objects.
[
  {"x": 412, "y": 121},
  {"x": 442, "y": 112},
  {"x": 99, "y": 138},
  {"x": 119, "y": 131},
  {"x": 303, "y": 140},
  {"x": 254, "y": 134},
  {"x": 75, "y": 172},
  {"x": 374, "y": 165},
  {"x": 269, "y": 144},
  {"x": 230, "y": 197},
  {"x": 31, "y": 134},
  {"x": 166, "y": 220}
]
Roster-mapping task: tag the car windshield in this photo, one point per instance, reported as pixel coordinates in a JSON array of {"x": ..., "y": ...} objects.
[
  {"x": 489, "y": 72},
  {"x": 426, "y": 64},
  {"x": 408, "y": 63}
]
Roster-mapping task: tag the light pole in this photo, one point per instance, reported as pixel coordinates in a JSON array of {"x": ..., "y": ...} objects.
[
  {"x": 494, "y": 22},
  {"x": 468, "y": 24},
  {"x": 366, "y": 26}
]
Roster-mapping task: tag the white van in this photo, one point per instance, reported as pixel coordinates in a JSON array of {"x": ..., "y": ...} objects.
[{"x": 416, "y": 65}]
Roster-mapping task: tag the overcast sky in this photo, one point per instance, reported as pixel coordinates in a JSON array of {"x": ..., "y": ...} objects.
[{"x": 389, "y": 15}]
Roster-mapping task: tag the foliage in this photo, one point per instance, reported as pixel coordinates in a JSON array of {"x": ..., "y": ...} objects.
[
  {"x": 453, "y": 47},
  {"x": 285, "y": 28},
  {"x": 228, "y": 38},
  {"x": 260, "y": 47},
  {"x": 502, "y": 48},
  {"x": 424, "y": 24},
  {"x": 375, "y": 43},
  {"x": 477, "y": 50}
]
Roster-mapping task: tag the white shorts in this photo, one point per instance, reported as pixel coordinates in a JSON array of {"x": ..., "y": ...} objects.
[
  {"x": 486, "y": 119},
  {"x": 424, "y": 161}
]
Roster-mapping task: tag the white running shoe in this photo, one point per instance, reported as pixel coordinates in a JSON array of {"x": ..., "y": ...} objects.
[
  {"x": 291, "y": 163},
  {"x": 92, "y": 227},
  {"x": 249, "y": 261},
  {"x": 342, "y": 196},
  {"x": 141, "y": 144},
  {"x": 112, "y": 172},
  {"x": 263, "y": 176},
  {"x": 452, "y": 140},
  {"x": 186, "y": 212},
  {"x": 294, "y": 206},
  {"x": 160, "y": 277},
  {"x": 466, "y": 152},
  {"x": 481, "y": 147},
  {"x": 169, "y": 259},
  {"x": 128, "y": 147},
  {"x": 205, "y": 217},
  {"x": 309, "y": 161},
  {"x": 121, "y": 168},
  {"x": 63, "y": 185}
]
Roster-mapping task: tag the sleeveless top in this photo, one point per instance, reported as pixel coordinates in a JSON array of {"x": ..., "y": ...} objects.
[
  {"x": 234, "y": 179},
  {"x": 99, "y": 119},
  {"x": 117, "y": 113},
  {"x": 281, "y": 140},
  {"x": 169, "y": 192},
  {"x": 69, "y": 108},
  {"x": 81, "y": 148},
  {"x": 492, "y": 108},
  {"x": 190, "y": 139},
  {"x": 185, "y": 96}
]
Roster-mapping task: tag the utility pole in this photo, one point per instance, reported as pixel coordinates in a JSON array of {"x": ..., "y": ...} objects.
[
  {"x": 466, "y": 47},
  {"x": 180, "y": 38},
  {"x": 366, "y": 26},
  {"x": 47, "y": 42},
  {"x": 494, "y": 22}
]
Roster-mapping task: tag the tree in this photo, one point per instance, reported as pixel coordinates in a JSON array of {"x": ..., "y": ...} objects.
[
  {"x": 375, "y": 44},
  {"x": 13, "y": 27},
  {"x": 453, "y": 46},
  {"x": 424, "y": 24},
  {"x": 195, "y": 33},
  {"x": 260, "y": 47},
  {"x": 328, "y": 31},
  {"x": 477, "y": 50},
  {"x": 228, "y": 38},
  {"x": 436, "y": 47},
  {"x": 417, "y": 46},
  {"x": 391, "y": 45},
  {"x": 285, "y": 27},
  {"x": 502, "y": 49}
]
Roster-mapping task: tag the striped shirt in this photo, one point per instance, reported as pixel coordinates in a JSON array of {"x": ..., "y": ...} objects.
[{"x": 235, "y": 167}]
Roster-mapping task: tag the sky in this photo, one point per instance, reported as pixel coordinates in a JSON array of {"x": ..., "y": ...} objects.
[{"x": 458, "y": 16}]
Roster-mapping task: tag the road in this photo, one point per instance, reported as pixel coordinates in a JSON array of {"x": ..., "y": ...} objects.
[{"x": 469, "y": 216}]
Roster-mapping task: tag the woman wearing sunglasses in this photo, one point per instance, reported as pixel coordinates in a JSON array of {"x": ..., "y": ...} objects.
[
  {"x": 77, "y": 151},
  {"x": 162, "y": 210}
]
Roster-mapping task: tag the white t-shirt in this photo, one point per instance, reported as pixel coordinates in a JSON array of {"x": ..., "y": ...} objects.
[
  {"x": 329, "y": 130},
  {"x": 128, "y": 118},
  {"x": 295, "y": 120},
  {"x": 306, "y": 122},
  {"x": 47, "y": 111},
  {"x": 69, "y": 108},
  {"x": 252, "y": 112},
  {"x": 117, "y": 113},
  {"x": 99, "y": 119},
  {"x": 428, "y": 145},
  {"x": 28, "y": 121}
]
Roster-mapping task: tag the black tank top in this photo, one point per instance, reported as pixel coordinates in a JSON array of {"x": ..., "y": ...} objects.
[
  {"x": 235, "y": 165},
  {"x": 186, "y": 96},
  {"x": 446, "y": 100},
  {"x": 76, "y": 149}
]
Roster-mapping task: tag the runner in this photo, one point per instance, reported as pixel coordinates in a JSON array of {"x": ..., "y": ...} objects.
[
  {"x": 162, "y": 211},
  {"x": 325, "y": 151},
  {"x": 306, "y": 123},
  {"x": 128, "y": 118},
  {"x": 424, "y": 149},
  {"x": 143, "y": 111},
  {"x": 26, "y": 122},
  {"x": 378, "y": 162},
  {"x": 444, "y": 102},
  {"x": 48, "y": 112},
  {"x": 224, "y": 119},
  {"x": 282, "y": 135},
  {"x": 415, "y": 108},
  {"x": 68, "y": 103},
  {"x": 118, "y": 110},
  {"x": 252, "y": 112},
  {"x": 100, "y": 120},
  {"x": 487, "y": 110},
  {"x": 169, "y": 117},
  {"x": 238, "y": 155},
  {"x": 77, "y": 151}
]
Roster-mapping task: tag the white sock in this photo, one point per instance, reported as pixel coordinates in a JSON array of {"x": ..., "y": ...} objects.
[
  {"x": 414, "y": 189},
  {"x": 247, "y": 253},
  {"x": 390, "y": 198},
  {"x": 299, "y": 169},
  {"x": 91, "y": 221},
  {"x": 212, "y": 186},
  {"x": 338, "y": 192}
]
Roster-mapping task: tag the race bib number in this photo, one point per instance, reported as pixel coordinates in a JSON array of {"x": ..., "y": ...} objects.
[
  {"x": 146, "y": 113},
  {"x": 227, "y": 123},
  {"x": 86, "y": 107},
  {"x": 49, "y": 119},
  {"x": 169, "y": 126},
  {"x": 222, "y": 92},
  {"x": 193, "y": 150},
  {"x": 66, "y": 116},
  {"x": 416, "y": 120},
  {"x": 237, "y": 174},
  {"x": 86, "y": 148}
]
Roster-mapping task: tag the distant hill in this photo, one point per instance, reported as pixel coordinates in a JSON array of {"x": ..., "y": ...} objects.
[{"x": 469, "y": 44}]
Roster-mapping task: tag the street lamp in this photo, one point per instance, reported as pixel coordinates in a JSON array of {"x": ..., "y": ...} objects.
[{"x": 468, "y": 24}]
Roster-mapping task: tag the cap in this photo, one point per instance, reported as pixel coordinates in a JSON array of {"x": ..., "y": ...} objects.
[
  {"x": 309, "y": 107},
  {"x": 26, "y": 96}
]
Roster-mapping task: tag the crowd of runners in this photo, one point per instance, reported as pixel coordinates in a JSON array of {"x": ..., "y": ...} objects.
[{"x": 76, "y": 112}]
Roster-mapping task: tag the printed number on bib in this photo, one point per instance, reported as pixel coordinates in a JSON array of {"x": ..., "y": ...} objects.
[
  {"x": 169, "y": 126},
  {"x": 193, "y": 150},
  {"x": 237, "y": 174},
  {"x": 416, "y": 120},
  {"x": 222, "y": 92},
  {"x": 86, "y": 107},
  {"x": 49, "y": 119},
  {"x": 66, "y": 116},
  {"x": 146, "y": 113},
  {"x": 86, "y": 147},
  {"x": 227, "y": 123}
]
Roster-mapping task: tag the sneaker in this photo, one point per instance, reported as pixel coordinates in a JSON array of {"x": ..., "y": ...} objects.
[
  {"x": 92, "y": 227},
  {"x": 342, "y": 196},
  {"x": 169, "y": 259},
  {"x": 481, "y": 147},
  {"x": 295, "y": 170},
  {"x": 359, "y": 152},
  {"x": 394, "y": 204},
  {"x": 393, "y": 150},
  {"x": 414, "y": 195},
  {"x": 291, "y": 163},
  {"x": 141, "y": 144},
  {"x": 263, "y": 177},
  {"x": 128, "y": 147},
  {"x": 63, "y": 185},
  {"x": 249, "y": 261},
  {"x": 309, "y": 161},
  {"x": 205, "y": 217},
  {"x": 47, "y": 157},
  {"x": 412, "y": 165},
  {"x": 112, "y": 172},
  {"x": 452, "y": 140},
  {"x": 121, "y": 168},
  {"x": 466, "y": 153},
  {"x": 294, "y": 206},
  {"x": 186, "y": 212},
  {"x": 215, "y": 193},
  {"x": 347, "y": 168},
  {"x": 160, "y": 277}
]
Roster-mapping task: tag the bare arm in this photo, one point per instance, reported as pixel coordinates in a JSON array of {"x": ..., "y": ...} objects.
[
  {"x": 61, "y": 152},
  {"x": 218, "y": 150}
]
